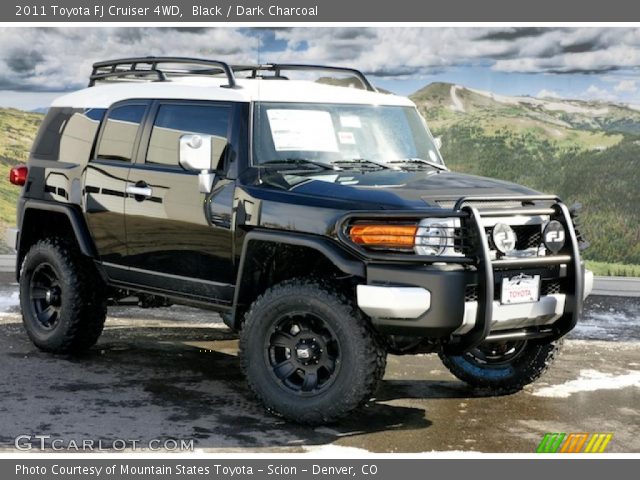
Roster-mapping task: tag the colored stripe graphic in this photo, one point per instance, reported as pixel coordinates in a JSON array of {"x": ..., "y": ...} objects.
[
  {"x": 550, "y": 443},
  {"x": 574, "y": 442},
  {"x": 598, "y": 443}
]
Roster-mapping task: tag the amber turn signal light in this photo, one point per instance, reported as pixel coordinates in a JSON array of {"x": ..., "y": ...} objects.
[{"x": 391, "y": 236}]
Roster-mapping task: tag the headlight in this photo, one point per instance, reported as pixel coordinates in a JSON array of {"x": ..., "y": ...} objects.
[
  {"x": 435, "y": 236},
  {"x": 554, "y": 236}
]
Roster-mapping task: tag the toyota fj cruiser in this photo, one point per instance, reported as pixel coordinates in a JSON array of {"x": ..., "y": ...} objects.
[{"x": 319, "y": 220}]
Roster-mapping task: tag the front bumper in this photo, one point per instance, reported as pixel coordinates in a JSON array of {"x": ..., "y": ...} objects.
[{"x": 466, "y": 322}]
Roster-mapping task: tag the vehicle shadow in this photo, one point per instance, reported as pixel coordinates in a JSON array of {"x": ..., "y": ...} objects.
[{"x": 150, "y": 382}]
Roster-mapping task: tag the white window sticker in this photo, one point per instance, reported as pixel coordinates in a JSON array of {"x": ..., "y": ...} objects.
[
  {"x": 347, "y": 138},
  {"x": 350, "y": 121},
  {"x": 305, "y": 130}
]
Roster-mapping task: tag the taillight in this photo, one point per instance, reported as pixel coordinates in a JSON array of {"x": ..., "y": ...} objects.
[{"x": 18, "y": 175}]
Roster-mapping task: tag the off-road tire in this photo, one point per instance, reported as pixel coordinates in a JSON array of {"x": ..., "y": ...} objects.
[
  {"x": 81, "y": 298},
  {"x": 362, "y": 359},
  {"x": 503, "y": 378}
]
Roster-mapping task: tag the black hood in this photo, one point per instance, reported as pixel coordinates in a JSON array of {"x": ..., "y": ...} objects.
[{"x": 397, "y": 189}]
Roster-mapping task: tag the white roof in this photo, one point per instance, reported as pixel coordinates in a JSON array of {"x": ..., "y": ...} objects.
[{"x": 248, "y": 90}]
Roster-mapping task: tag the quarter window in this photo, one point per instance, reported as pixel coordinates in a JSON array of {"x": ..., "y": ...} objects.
[
  {"x": 173, "y": 121},
  {"x": 120, "y": 131}
]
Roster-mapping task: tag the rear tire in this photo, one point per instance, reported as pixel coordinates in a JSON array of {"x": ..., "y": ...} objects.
[
  {"x": 502, "y": 368},
  {"x": 62, "y": 297},
  {"x": 309, "y": 354}
]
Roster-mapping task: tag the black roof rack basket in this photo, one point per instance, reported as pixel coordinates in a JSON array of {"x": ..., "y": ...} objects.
[
  {"x": 149, "y": 66},
  {"x": 141, "y": 67}
]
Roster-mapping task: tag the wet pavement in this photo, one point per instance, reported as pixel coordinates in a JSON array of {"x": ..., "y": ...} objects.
[{"x": 173, "y": 373}]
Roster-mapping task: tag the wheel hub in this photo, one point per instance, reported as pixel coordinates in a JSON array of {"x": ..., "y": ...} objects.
[
  {"x": 52, "y": 296},
  {"x": 303, "y": 353}
]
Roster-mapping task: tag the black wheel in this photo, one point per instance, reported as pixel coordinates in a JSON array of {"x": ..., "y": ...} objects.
[
  {"x": 502, "y": 367},
  {"x": 62, "y": 298},
  {"x": 309, "y": 354}
]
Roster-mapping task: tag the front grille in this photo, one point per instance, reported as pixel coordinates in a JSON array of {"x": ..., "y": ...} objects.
[
  {"x": 550, "y": 287},
  {"x": 471, "y": 293}
]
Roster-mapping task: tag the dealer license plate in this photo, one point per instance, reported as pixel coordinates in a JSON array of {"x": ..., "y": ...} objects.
[{"x": 520, "y": 289}]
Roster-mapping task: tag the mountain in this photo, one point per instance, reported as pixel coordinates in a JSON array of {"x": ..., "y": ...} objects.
[
  {"x": 585, "y": 151},
  {"x": 17, "y": 131}
]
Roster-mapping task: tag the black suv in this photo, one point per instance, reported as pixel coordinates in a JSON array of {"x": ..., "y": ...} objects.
[{"x": 317, "y": 218}]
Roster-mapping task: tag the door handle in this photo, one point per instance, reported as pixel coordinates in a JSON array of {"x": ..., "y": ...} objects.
[{"x": 139, "y": 191}]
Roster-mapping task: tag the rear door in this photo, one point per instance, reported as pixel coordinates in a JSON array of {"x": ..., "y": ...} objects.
[
  {"x": 106, "y": 177},
  {"x": 173, "y": 245}
]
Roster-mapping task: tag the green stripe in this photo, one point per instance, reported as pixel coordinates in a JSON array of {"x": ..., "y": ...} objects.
[{"x": 550, "y": 443}]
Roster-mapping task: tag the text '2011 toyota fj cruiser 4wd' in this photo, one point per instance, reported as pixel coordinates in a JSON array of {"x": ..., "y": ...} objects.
[{"x": 319, "y": 220}]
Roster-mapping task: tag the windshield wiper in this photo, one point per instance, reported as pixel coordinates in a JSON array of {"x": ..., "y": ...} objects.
[
  {"x": 363, "y": 162},
  {"x": 296, "y": 162},
  {"x": 419, "y": 161}
]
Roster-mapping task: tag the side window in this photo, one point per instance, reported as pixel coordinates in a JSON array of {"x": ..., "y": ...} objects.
[
  {"x": 173, "y": 121},
  {"x": 119, "y": 133}
]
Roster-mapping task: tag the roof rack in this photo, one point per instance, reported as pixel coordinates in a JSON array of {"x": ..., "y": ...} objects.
[
  {"x": 148, "y": 66},
  {"x": 277, "y": 68}
]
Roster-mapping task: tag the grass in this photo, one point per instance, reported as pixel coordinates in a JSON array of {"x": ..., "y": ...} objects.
[{"x": 613, "y": 269}]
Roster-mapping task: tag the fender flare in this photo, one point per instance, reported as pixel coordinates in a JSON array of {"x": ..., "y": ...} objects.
[
  {"x": 343, "y": 260},
  {"x": 76, "y": 220}
]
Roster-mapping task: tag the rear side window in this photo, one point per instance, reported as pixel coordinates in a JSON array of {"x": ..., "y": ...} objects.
[
  {"x": 173, "y": 121},
  {"x": 120, "y": 132}
]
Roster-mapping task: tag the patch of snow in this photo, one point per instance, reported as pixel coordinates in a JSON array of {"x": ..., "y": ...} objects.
[
  {"x": 547, "y": 104},
  {"x": 9, "y": 302},
  {"x": 335, "y": 451},
  {"x": 456, "y": 103},
  {"x": 590, "y": 381}
]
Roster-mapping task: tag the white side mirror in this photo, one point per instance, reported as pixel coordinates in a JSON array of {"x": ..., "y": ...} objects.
[{"x": 195, "y": 155}]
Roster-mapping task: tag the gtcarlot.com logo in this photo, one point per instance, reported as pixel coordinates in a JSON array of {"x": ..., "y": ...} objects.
[
  {"x": 46, "y": 442},
  {"x": 574, "y": 442}
]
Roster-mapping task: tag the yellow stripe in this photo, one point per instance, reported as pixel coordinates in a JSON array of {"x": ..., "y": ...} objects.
[
  {"x": 606, "y": 442},
  {"x": 590, "y": 444},
  {"x": 596, "y": 445}
]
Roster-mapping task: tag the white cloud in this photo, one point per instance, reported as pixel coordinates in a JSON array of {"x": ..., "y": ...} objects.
[
  {"x": 596, "y": 93},
  {"x": 626, "y": 86},
  {"x": 60, "y": 58},
  {"x": 544, "y": 93}
]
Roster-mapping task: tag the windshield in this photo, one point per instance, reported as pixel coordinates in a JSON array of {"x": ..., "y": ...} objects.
[{"x": 335, "y": 133}]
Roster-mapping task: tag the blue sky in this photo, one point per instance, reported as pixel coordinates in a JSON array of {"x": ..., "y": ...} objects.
[{"x": 36, "y": 65}]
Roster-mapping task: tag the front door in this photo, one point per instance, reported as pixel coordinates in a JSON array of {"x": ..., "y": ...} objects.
[{"x": 172, "y": 243}]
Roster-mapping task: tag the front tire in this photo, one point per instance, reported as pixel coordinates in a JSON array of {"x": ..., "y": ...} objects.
[
  {"x": 62, "y": 298},
  {"x": 502, "y": 368},
  {"x": 309, "y": 354}
]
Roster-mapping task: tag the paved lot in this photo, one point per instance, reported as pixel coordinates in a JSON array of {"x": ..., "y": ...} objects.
[{"x": 174, "y": 373}]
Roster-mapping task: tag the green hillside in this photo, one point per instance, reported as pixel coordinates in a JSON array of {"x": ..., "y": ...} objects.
[
  {"x": 586, "y": 152},
  {"x": 17, "y": 131}
]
